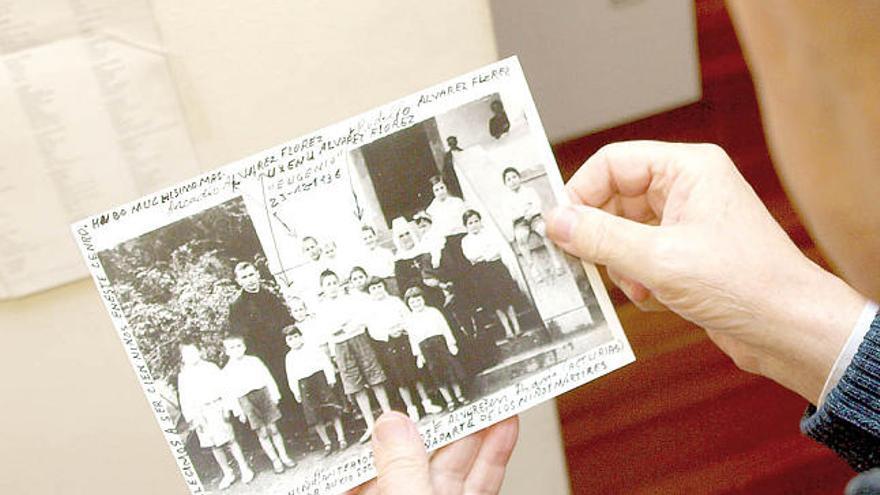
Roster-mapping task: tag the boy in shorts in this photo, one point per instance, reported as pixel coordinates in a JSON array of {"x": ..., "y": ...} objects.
[
  {"x": 255, "y": 396},
  {"x": 344, "y": 318}
]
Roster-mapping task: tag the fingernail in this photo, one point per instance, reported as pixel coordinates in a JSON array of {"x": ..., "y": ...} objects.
[
  {"x": 390, "y": 426},
  {"x": 563, "y": 221}
]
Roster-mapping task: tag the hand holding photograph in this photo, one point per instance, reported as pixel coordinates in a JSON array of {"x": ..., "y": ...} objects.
[{"x": 275, "y": 307}]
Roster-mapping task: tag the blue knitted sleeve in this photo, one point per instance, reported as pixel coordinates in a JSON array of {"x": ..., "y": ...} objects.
[{"x": 849, "y": 420}]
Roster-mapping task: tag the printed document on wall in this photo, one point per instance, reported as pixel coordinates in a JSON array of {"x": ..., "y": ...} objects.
[{"x": 90, "y": 119}]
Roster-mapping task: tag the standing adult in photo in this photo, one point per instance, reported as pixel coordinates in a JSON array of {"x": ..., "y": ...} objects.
[{"x": 259, "y": 315}]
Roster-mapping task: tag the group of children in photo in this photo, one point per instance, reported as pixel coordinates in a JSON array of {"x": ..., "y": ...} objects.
[
  {"x": 243, "y": 388},
  {"x": 380, "y": 324}
]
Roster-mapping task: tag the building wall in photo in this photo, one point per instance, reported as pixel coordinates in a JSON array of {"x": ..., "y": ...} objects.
[
  {"x": 484, "y": 157},
  {"x": 479, "y": 167}
]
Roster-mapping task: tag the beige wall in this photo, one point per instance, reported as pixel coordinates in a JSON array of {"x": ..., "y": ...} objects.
[
  {"x": 252, "y": 77},
  {"x": 74, "y": 419},
  {"x": 595, "y": 64}
]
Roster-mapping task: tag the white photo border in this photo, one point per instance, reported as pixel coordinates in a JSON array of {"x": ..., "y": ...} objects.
[{"x": 102, "y": 231}]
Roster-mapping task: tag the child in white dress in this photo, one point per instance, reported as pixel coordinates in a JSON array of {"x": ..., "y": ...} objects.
[{"x": 203, "y": 405}]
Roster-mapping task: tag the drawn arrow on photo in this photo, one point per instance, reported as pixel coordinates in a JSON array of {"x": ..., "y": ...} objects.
[
  {"x": 289, "y": 230},
  {"x": 358, "y": 209},
  {"x": 282, "y": 274},
  {"x": 283, "y": 278}
]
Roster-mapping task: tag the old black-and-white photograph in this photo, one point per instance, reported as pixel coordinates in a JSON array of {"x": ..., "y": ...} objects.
[
  {"x": 460, "y": 197},
  {"x": 207, "y": 317},
  {"x": 409, "y": 272}
]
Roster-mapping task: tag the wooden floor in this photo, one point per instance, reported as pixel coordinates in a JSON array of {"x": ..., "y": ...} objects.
[{"x": 683, "y": 419}]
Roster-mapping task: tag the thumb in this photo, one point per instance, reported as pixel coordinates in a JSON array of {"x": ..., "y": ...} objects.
[
  {"x": 400, "y": 456},
  {"x": 602, "y": 238}
]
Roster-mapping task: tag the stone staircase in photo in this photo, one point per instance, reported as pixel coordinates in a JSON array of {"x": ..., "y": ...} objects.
[
  {"x": 517, "y": 357},
  {"x": 533, "y": 351},
  {"x": 526, "y": 341}
]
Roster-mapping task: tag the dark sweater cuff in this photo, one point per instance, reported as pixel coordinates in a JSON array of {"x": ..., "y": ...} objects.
[{"x": 849, "y": 420}]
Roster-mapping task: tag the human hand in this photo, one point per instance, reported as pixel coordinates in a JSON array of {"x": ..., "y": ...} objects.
[
  {"x": 474, "y": 464},
  {"x": 235, "y": 411},
  {"x": 678, "y": 227}
]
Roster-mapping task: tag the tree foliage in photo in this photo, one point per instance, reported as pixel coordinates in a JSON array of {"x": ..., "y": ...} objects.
[{"x": 176, "y": 283}]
